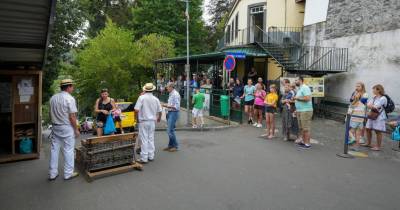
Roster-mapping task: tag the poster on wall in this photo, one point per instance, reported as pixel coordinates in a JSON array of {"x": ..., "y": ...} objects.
[{"x": 316, "y": 84}]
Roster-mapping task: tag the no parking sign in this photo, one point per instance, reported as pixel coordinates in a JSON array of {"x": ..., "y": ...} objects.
[{"x": 229, "y": 63}]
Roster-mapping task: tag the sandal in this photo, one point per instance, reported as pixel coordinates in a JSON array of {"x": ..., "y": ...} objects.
[
  {"x": 375, "y": 149},
  {"x": 365, "y": 145}
]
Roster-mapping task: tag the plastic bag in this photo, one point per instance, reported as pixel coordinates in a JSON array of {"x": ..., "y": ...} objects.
[
  {"x": 25, "y": 146},
  {"x": 396, "y": 134},
  {"x": 109, "y": 128}
]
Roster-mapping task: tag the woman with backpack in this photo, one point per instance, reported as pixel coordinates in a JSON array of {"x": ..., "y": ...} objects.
[{"x": 376, "y": 117}]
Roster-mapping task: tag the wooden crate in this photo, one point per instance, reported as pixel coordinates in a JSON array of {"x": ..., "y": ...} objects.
[{"x": 107, "y": 155}]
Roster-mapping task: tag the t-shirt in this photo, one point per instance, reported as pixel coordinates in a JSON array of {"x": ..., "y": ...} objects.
[
  {"x": 260, "y": 96},
  {"x": 272, "y": 98},
  {"x": 249, "y": 92},
  {"x": 61, "y": 105},
  {"x": 198, "y": 100},
  {"x": 304, "y": 106},
  {"x": 148, "y": 106},
  {"x": 358, "y": 109}
]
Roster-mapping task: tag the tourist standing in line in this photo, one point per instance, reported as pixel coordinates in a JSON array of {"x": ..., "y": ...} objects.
[
  {"x": 173, "y": 107},
  {"x": 360, "y": 90},
  {"x": 261, "y": 82},
  {"x": 376, "y": 104},
  {"x": 289, "y": 122},
  {"x": 148, "y": 111},
  {"x": 259, "y": 95},
  {"x": 198, "y": 104},
  {"x": 304, "y": 110},
  {"x": 103, "y": 107},
  {"x": 64, "y": 130},
  {"x": 357, "y": 108},
  {"x": 237, "y": 93},
  {"x": 248, "y": 95},
  {"x": 271, "y": 102}
]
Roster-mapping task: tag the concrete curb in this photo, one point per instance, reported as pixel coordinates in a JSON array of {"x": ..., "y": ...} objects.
[{"x": 217, "y": 128}]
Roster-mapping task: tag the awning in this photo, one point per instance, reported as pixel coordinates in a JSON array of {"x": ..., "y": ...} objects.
[
  {"x": 250, "y": 51},
  {"x": 24, "y": 32}
]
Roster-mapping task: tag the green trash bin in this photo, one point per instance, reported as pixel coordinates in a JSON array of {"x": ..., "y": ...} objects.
[{"x": 224, "y": 105}]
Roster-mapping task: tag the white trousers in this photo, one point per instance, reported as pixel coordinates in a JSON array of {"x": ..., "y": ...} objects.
[
  {"x": 63, "y": 138},
  {"x": 146, "y": 135}
]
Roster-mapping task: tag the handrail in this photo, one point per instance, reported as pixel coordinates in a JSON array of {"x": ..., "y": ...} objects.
[
  {"x": 292, "y": 40},
  {"x": 315, "y": 62}
]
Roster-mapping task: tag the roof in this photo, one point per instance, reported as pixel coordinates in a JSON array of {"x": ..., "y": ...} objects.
[
  {"x": 249, "y": 51},
  {"x": 24, "y": 32},
  {"x": 202, "y": 58}
]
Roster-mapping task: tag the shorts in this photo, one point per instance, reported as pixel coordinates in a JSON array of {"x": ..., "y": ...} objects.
[
  {"x": 356, "y": 125},
  {"x": 270, "y": 109},
  {"x": 259, "y": 107},
  {"x": 197, "y": 112},
  {"x": 100, "y": 124},
  {"x": 249, "y": 103},
  {"x": 304, "y": 120}
]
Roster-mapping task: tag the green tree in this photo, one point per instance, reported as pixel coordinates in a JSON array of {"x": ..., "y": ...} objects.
[
  {"x": 219, "y": 10},
  {"x": 97, "y": 11},
  {"x": 167, "y": 18},
  {"x": 65, "y": 33}
]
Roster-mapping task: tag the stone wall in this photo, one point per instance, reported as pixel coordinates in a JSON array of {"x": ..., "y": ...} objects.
[{"x": 352, "y": 17}]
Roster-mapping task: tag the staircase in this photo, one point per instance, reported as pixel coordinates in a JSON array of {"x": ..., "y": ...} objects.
[{"x": 285, "y": 46}]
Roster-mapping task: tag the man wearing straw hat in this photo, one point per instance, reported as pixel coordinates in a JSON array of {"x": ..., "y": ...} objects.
[
  {"x": 148, "y": 109},
  {"x": 64, "y": 130}
]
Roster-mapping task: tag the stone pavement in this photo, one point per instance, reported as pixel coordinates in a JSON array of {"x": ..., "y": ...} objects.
[{"x": 226, "y": 169}]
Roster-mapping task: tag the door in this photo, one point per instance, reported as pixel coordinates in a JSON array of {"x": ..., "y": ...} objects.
[{"x": 256, "y": 24}]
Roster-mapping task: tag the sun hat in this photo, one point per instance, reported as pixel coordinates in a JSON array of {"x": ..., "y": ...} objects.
[
  {"x": 65, "y": 82},
  {"x": 149, "y": 87}
]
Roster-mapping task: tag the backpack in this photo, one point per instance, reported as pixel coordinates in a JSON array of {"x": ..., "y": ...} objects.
[{"x": 389, "y": 108}]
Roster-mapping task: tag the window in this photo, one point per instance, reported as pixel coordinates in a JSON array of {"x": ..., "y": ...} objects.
[
  {"x": 257, "y": 10},
  {"x": 233, "y": 30},
  {"x": 228, "y": 34},
  {"x": 237, "y": 25}
]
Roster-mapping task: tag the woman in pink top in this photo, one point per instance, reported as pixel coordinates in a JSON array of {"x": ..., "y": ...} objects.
[{"x": 259, "y": 95}]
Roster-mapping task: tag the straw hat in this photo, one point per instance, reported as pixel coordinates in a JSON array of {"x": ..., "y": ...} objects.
[
  {"x": 149, "y": 87},
  {"x": 65, "y": 82}
]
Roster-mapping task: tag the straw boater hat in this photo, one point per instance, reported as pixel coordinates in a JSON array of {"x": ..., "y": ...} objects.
[
  {"x": 149, "y": 87},
  {"x": 65, "y": 82}
]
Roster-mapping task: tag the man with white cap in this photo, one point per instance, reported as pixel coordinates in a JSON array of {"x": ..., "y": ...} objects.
[
  {"x": 64, "y": 130},
  {"x": 148, "y": 109}
]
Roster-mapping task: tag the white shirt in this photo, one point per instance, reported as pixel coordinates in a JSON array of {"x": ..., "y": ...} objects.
[
  {"x": 148, "y": 106},
  {"x": 61, "y": 105},
  {"x": 174, "y": 100}
]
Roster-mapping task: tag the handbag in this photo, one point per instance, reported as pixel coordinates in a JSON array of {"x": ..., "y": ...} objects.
[
  {"x": 25, "y": 146},
  {"x": 396, "y": 134},
  {"x": 109, "y": 127},
  {"x": 373, "y": 114}
]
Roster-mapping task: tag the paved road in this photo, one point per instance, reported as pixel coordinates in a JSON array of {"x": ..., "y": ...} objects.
[{"x": 229, "y": 169}]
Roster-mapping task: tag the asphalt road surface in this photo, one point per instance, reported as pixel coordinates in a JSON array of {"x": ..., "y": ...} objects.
[{"x": 228, "y": 169}]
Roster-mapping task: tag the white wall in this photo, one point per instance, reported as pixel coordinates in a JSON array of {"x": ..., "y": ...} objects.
[
  {"x": 242, "y": 8},
  {"x": 373, "y": 59},
  {"x": 316, "y": 11}
]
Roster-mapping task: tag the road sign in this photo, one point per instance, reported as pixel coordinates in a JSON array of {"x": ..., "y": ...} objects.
[
  {"x": 237, "y": 55},
  {"x": 229, "y": 63}
]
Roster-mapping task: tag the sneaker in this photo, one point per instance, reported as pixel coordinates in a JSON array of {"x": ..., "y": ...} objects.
[
  {"x": 173, "y": 149},
  {"x": 259, "y": 126},
  {"x": 53, "y": 178},
  {"x": 194, "y": 126},
  {"x": 142, "y": 161},
  {"x": 304, "y": 146},
  {"x": 255, "y": 124},
  {"x": 166, "y": 148},
  {"x": 298, "y": 141},
  {"x": 362, "y": 140},
  {"x": 74, "y": 175}
]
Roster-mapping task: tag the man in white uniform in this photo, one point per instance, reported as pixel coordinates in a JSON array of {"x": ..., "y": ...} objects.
[
  {"x": 64, "y": 130},
  {"x": 148, "y": 109}
]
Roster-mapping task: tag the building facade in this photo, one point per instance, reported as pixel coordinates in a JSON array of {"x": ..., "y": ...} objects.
[{"x": 370, "y": 29}]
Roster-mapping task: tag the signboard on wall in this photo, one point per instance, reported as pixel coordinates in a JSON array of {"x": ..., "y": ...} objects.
[
  {"x": 316, "y": 84},
  {"x": 316, "y": 11}
]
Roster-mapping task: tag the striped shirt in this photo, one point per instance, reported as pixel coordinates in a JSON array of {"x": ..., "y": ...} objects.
[
  {"x": 174, "y": 100},
  {"x": 61, "y": 105}
]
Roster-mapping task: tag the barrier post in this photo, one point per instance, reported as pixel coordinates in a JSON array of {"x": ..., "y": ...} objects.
[{"x": 345, "y": 153}]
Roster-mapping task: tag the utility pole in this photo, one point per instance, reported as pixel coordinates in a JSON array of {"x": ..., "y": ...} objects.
[{"x": 187, "y": 66}]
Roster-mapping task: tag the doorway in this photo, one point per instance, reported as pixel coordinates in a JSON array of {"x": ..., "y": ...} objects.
[{"x": 257, "y": 23}]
